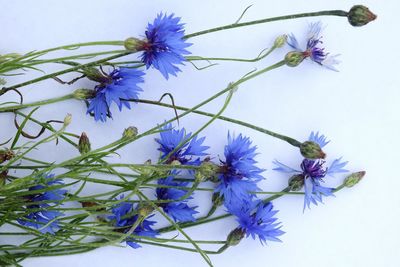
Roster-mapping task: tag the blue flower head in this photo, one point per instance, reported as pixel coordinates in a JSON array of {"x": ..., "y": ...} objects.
[
  {"x": 314, "y": 172},
  {"x": 188, "y": 153},
  {"x": 239, "y": 173},
  {"x": 165, "y": 46},
  {"x": 256, "y": 219},
  {"x": 120, "y": 84},
  {"x": 178, "y": 210},
  {"x": 313, "y": 49},
  {"x": 43, "y": 219},
  {"x": 124, "y": 215}
]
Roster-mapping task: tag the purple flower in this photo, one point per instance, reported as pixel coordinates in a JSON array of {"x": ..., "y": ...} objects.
[
  {"x": 165, "y": 45},
  {"x": 239, "y": 173},
  {"x": 120, "y": 84},
  {"x": 41, "y": 218},
  {"x": 256, "y": 219},
  {"x": 178, "y": 210},
  {"x": 124, "y": 216},
  {"x": 188, "y": 153},
  {"x": 313, "y": 49},
  {"x": 314, "y": 172}
]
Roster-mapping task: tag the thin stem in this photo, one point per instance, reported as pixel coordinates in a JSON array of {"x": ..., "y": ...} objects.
[{"x": 339, "y": 13}]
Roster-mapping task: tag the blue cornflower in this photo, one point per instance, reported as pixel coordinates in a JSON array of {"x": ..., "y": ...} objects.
[
  {"x": 313, "y": 173},
  {"x": 188, "y": 153},
  {"x": 179, "y": 211},
  {"x": 124, "y": 215},
  {"x": 165, "y": 46},
  {"x": 256, "y": 219},
  {"x": 42, "y": 219},
  {"x": 313, "y": 50},
  {"x": 238, "y": 173},
  {"x": 120, "y": 85}
]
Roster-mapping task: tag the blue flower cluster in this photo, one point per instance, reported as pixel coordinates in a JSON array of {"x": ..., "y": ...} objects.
[
  {"x": 238, "y": 177},
  {"x": 124, "y": 215},
  {"x": 314, "y": 172},
  {"x": 164, "y": 48},
  {"x": 39, "y": 216}
]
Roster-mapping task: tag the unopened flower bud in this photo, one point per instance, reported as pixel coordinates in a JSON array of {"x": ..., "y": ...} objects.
[
  {"x": 84, "y": 144},
  {"x": 360, "y": 15},
  {"x": 175, "y": 163},
  {"x": 296, "y": 182},
  {"x": 83, "y": 94},
  {"x": 311, "y": 150},
  {"x": 130, "y": 132},
  {"x": 235, "y": 237},
  {"x": 209, "y": 170},
  {"x": 280, "y": 41},
  {"x": 354, "y": 178},
  {"x": 294, "y": 58},
  {"x": 133, "y": 44},
  {"x": 6, "y": 154},
  {"x": 145, "y": 210},
  {"x": 67, "y": 120},
  {"x": 3, "y": 178},
  {"x": 96, "y": 75},
  {"x": 2, "y": 81}
]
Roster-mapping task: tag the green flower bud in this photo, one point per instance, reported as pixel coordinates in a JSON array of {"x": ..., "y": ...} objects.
[
  {"x": 130, "y": 132},
  {"x": 311, "y": 150},
  {"x": 354, "y": 178},
  {"x": 280, "y": 41},
  {"x": 84, "y": 144},
  {"x": 296, "y": 182},
  {"x": 209, "y": 170},
  {"x": 133, "y": 44},
  {"x": 294, "y": 58},
  {"x": 96, "y": 75},
  {"x": 67, "y": 120},
  {"x": 145, "y": 210},
  {"x": 235, "y": 237},
  {"x": 6, "y": 154},
  {"x": 83, "y": 94},
  {"x": 3, "y": 178},
  {"x": 360, "y": 15},
  {"x": 2, "y": 81}
]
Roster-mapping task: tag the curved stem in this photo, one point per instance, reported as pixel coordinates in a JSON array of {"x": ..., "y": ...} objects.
[
  {"x": 290, "y": 140},
  {"x": 339, "y": 13}
]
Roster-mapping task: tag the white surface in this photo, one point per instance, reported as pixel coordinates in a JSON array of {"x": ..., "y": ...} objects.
[{"x": 358, "y": 108}]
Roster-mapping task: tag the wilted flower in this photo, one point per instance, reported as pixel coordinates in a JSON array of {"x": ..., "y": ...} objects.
[
  {"x": 42, "y": 218},
  {"x": 313, "y": 49},
  {"x": 120, "y": 85},
  {"x": 313, "y": 173}
]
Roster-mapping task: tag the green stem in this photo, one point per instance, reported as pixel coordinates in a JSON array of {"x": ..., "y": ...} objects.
[
  {"x": 55, "y": 74},
  {"x": 290, "y": 140},
  {"x": 339, "y": 13},
  {"x": 37, "y": 103}
]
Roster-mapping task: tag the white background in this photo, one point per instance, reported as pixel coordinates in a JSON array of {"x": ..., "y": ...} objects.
[{"x": 357, "y": 108}]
